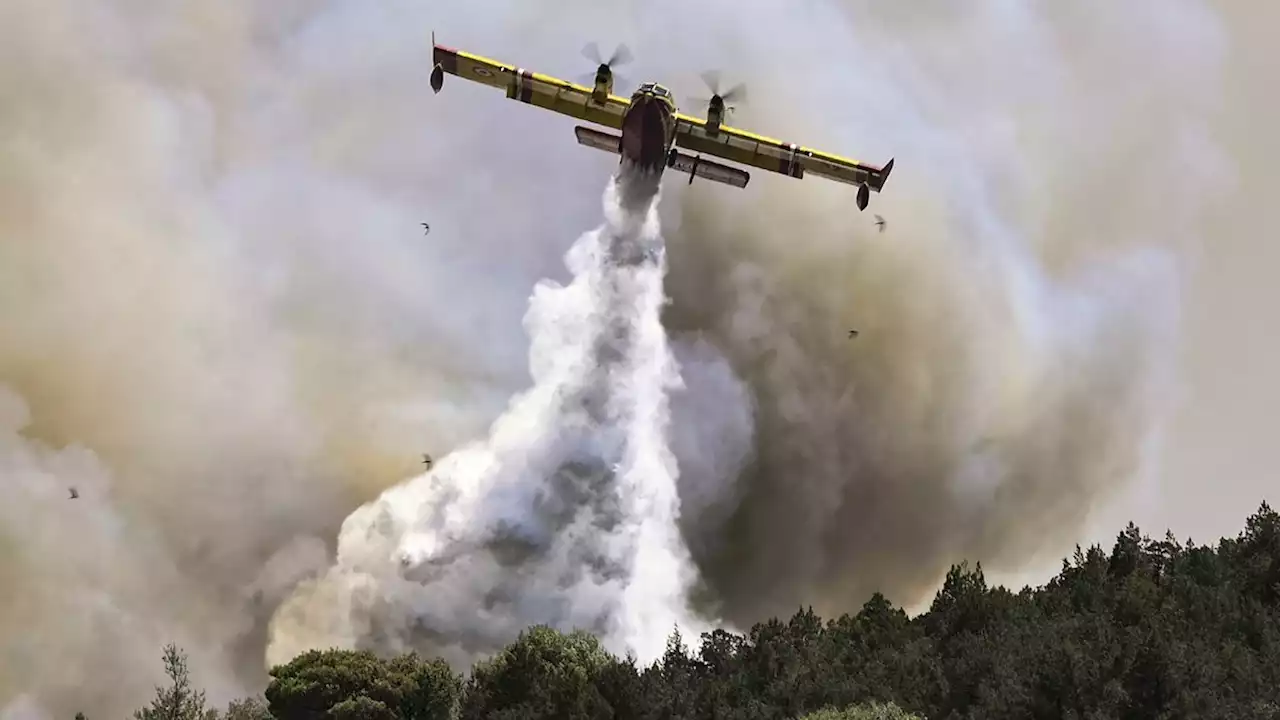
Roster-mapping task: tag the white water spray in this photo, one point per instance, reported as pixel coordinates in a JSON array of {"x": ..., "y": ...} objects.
[{"x": 566, "y": 515}]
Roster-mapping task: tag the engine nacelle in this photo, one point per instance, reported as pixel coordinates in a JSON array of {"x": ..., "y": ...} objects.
[
  {"x": 715, "y": 114},
  {"x": 604, "y": 84}
]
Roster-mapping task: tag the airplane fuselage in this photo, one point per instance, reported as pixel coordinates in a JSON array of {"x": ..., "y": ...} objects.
[{"x": 649, "y": 128}]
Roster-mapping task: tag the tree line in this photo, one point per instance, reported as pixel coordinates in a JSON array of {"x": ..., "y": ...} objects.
[{"x": 1153, "y": 629}]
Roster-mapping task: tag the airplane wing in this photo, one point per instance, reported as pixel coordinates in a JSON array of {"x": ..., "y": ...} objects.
[
  {"x": 529, "y": 87},
  {"x": 776, "y": 156}
]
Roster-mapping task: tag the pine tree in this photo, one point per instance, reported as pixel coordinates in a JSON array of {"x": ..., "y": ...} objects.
[{"x": 179, "y": 701}]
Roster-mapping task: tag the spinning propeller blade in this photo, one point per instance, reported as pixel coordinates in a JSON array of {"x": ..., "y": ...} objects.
[
  {"x": 736, "y": 95},
  {"x": 621, "y": 55}
]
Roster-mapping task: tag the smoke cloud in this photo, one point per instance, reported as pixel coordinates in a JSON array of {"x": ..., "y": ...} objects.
[
  {"x": 565, "y": 516},
  {"x": 1018, "y": 319},
  {"x": 220, "y": 320}
]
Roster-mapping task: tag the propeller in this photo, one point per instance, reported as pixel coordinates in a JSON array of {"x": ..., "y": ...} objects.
[
  {"x": 621, "y": 56},
  {"x": 736, "y": 95}
]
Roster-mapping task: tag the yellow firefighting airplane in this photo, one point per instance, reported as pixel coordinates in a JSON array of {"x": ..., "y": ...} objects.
[{"x": 651, "y": 127}]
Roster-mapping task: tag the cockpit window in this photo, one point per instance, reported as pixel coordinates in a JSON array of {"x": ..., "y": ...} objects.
[{"x": 656, "y": 89}]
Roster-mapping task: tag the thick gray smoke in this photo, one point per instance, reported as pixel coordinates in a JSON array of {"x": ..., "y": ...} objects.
[
  {"x": 1018, "y": 318},
  {"x": 221, "y": 322},
  {"x": 565, "y": 515}
]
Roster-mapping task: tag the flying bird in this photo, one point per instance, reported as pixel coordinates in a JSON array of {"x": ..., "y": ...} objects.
[
  {"x": 880, "y": 223},
  {"x": 853, "y": 333},
  {"x": 426, "y": 460},
  {"x": 74, "y": 494},
  {"x": 426, "y": 229}
]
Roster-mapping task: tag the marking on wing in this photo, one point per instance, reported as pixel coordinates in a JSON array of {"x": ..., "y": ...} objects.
[
  {"x": 524, "y": 85},
  {"x": 501, "y": 67},
  {"x": 533, "y": 88},
  {"x": 766, "y": 140}
]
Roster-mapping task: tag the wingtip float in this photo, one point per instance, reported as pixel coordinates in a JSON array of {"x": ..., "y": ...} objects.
[{"x": 651, "y": 132}]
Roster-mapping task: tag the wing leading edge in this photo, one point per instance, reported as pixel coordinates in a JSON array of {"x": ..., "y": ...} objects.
[{"x": 529, "y": 87}]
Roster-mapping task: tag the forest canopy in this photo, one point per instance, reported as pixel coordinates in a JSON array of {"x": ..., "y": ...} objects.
[{"x": 1155, "y": 628}]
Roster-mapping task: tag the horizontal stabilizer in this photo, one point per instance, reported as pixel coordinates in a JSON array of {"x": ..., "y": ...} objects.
[
  {"x": 698, "y": 167},
  {"x": 598, "y": 140}
]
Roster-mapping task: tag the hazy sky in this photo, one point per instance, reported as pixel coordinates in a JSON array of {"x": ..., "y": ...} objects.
[
  {"x": 219, "y": 318},
  {"x": 1223, "y": 446}
]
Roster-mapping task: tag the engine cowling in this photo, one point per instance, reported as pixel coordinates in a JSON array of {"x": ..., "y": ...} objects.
[
  {"x": 604, "y": 84},
  {"x": 715, "y": 114}
]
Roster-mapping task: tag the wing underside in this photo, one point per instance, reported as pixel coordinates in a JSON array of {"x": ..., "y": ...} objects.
[
  {"x": 710, "y": 170},
  {"x": 533, "y": 88},
  {"x": 598, "y": 140},
  {"x": 776, "y": 156}
]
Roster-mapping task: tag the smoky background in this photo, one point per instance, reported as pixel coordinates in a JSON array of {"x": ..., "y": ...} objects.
[{"x": 220, "y": 320}]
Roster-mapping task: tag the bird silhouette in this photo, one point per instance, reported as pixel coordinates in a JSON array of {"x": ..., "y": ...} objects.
[
  {"x": 880, "y": 223},
  {"x": 74, "y": 494},
  {"x": 853, "y": 333},
  {"x": 426, "y": 460},
  {"x": 426, "y": 229}
]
